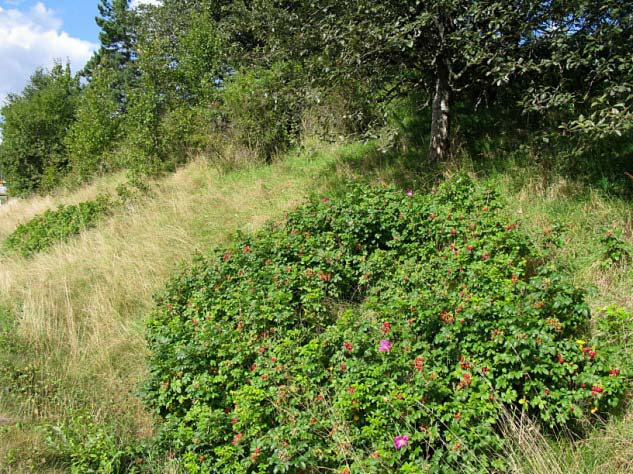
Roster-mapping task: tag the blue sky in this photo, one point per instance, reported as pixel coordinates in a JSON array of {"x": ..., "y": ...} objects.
[
  {"x": 78, "y": 16},
  {"x": 35, "y": 33}
]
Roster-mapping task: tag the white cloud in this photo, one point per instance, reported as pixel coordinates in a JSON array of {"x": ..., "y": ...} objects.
[
  {"x": 32, "y": 39},
  {"x": 137, "y": 3}
]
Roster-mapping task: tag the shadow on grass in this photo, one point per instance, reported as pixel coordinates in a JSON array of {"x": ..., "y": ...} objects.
[
  {"x": 369, "y": 163},
  {"x": 489, "y": 144}
]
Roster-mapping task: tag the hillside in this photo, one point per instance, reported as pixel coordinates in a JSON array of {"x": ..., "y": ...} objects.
[
  {"x": 76, "y": 313},
  {"x": 73, "y": 349},
  {"x": 368, "y": 236}
]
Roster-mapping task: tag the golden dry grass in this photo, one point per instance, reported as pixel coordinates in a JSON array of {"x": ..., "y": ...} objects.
[
  {"x": 607, "y": 450},
  {"x": 81, "y": 306}
]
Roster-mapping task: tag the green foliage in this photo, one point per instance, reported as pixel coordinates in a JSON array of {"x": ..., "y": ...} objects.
[
  {"x": 199, "y": 53},
  {"x": 185, "y": 131},
  {"x": 97, "y": 128},
  {"x": 32, "y": 152},
  {"x": 119, "y": 25},
  {"x": 87, "y": 446},
  {"x": 342, "y": 111},
  {"x": 140, "y": 151},
  {"x": 445, "y": 50},
  {"x": 181, "y": 53},
  {"x": 582, "y": 75},
  {"x": 272, "y": 70},
  {"x": 616, "y": 250},
  {"x": 59, "y": 225},
  {"x": 614, "y": 326},
  {"x": 172, "y": 109},
  {"x": 320, "y": 340},
  {"x": 263, "y": 108},
  {"x": 116, "y": 34},
  {"x": 566, "y": 63}
]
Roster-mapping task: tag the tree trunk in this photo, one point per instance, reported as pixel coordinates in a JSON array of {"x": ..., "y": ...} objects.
[{"x": 440, "y": 121}]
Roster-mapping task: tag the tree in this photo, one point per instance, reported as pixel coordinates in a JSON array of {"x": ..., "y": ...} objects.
[
  {"x": 97, "y": 127},
  {"x": 177, "y": 64},
  {"x": 32, "y": 152},
  {"x": 572, "y": 58},
  {"x": 118, "y": 25},
  {"x": 181, "y": 51},
  {"x": 581, "y": 69},
  {"x": 441, "y": 46}
]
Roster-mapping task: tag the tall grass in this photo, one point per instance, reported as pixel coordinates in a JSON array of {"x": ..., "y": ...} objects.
[{"x": 78, "y": 311}]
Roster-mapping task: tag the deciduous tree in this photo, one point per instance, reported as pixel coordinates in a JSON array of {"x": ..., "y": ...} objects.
[{"x": 32, "y": 152}]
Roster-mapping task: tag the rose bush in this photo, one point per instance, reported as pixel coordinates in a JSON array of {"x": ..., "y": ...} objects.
[
  {"x": 383, "y": 331},
  {"x": 54, "y": 226}
]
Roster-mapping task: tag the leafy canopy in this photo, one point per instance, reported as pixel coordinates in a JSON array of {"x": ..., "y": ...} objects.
[{"x": 32, "y": 153}]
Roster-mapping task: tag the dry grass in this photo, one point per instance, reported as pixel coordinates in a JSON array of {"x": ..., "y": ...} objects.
[
  {"x": 527, "y": 450},
  {"x": 543, "y": 201},
  {"x": 608, "y": 450},
  {"x": 81, "y": 306}
]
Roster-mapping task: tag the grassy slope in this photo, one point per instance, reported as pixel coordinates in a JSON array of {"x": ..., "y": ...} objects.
[
  {"x": 540, "y": 202},
  {"x": 80, "y": 307}
]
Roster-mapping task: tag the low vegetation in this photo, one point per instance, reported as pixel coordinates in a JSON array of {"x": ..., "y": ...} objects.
[
  {"x": 75, "y": 355},
  {"x": 386, "y": 330},
  {"x": 324, "y": 237},
  {"x": 72, "y": 317},
  {"x": 59, "y": 225}
]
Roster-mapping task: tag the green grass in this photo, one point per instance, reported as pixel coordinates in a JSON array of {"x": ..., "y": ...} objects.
[{"x": 74, "y": 315}]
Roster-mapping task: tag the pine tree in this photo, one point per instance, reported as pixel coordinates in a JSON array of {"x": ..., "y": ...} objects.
[{"x": 117, "y": 37}]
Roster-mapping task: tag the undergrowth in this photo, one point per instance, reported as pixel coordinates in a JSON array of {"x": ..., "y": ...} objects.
[
  {"x": 382, "y": 331},
  {"x": 54, "y": 226}
]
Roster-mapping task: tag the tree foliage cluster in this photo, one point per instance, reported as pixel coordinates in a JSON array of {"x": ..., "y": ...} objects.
[{"x": 186, "y": 77}]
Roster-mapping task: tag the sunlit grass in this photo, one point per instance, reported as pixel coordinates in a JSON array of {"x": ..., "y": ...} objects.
[{"x": 76, "y": 313}]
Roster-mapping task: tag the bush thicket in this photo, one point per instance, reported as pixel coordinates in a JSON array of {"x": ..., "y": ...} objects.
[
  {"x": 263, "y": 108},
  {"x": 385, "y": 330},
  {"x": 55, "y": 226}
]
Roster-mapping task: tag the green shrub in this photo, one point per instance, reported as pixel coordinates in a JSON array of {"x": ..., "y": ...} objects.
[
  {"x": 85, "y": 445},
  {"x": 613, "y": 330},
  {"x": 263, "y": 108},
  {"x": 356, "y": 325},
  {"x": 59, "y": 225},
  {"x": 616, "y": 250},
  {"x": 140, "y": 150},
  {"x": 96, "y": 132},
  {"x": 186, "y": 131},
  {"x": 340, "y": 111}
]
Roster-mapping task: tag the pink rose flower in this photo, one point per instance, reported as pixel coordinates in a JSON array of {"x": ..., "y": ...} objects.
[
  {"x": 385, "y": 346},
  {"x": 401, "y": 441}
]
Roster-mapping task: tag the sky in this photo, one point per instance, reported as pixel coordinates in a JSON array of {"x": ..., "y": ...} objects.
[{"x": 35, "y": 33}]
